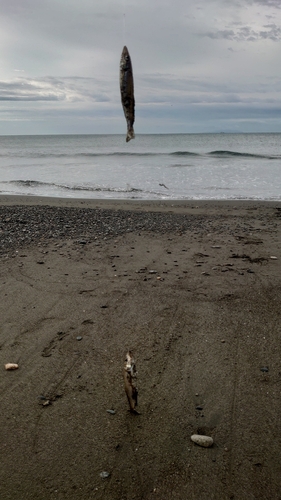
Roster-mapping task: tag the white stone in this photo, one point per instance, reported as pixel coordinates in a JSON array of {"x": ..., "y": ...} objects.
[
  {"x": 205, "y": 441},
  {"x": 11, "y": 366}
]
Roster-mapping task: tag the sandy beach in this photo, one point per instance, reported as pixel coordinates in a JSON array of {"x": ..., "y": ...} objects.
[{"x": 193, "y": 289}]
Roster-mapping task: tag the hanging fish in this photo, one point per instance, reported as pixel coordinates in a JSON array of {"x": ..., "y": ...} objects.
[{"x": 127, "y": 92}]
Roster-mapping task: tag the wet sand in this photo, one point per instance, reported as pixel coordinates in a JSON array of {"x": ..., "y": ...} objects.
[{"x": 193, "y": 289}]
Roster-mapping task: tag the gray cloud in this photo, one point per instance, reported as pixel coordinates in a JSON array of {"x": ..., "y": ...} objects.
[
  {"x": 267, "y": 3},
  {"x": 24, "y": 90},
  {"x": 52, "y": 89},
  {"x": 248, "y": 34},
  {"x": 272, "y": 4}
]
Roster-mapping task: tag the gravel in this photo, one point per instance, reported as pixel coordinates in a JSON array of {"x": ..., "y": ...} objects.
[{"x": 23, "y": 225}]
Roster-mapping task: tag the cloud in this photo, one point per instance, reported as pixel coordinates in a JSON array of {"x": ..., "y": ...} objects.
[
  {"x": 267, "y": 3},
  {"x": 248, "y": 34},
  {"x": 53, "y": 89},
  {"x": 272, "y": 4}
]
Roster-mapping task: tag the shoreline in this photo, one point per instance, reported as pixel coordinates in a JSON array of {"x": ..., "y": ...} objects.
[{"x": 163, "y": 205}]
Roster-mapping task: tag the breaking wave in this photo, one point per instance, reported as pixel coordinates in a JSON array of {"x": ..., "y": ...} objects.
[
  {"x": 82, "y": 187},
  {"x": 77, "y": 187},
  {"x": 231, "y": 154},
  {"x": 184, "y": 153},
  {"x": 216, "y": 154}
]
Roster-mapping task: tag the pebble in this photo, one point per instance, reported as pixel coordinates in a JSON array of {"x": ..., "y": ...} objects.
[
  {"x": 79, "y": 338},
  {"x": 104, "y": 474},
  {"x": 11, "y": 366},
  {"x": 264, "y": 369},
  {"x": 273, "y": 257},
  {"x": 112, "y": 412},
  {"x": 205, "y": 441},
  {"x": 72, "y": 223}
]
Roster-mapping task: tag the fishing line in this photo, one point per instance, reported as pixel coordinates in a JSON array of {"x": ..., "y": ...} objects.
[{"x": 124, "y": 29}]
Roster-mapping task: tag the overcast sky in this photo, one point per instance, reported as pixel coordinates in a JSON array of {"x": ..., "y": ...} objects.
[{"x": 199, "y": 66}]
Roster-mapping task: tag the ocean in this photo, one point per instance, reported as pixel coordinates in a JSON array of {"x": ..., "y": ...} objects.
[{"x": 151, "y": 167}]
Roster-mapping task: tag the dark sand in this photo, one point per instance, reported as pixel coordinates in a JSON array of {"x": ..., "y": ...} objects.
[{"x": 192, "y": 290}]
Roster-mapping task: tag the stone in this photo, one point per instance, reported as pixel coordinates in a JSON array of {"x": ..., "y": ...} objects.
[
  {"x": 104, "y": 474},
  {"x": 205, "y": 441},
  {"x": 11, "y": 366}
]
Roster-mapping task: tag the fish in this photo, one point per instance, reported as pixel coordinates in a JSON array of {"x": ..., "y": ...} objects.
[
  {"x": 130, "y": 375},
  {"x": 127, "y": 92}
]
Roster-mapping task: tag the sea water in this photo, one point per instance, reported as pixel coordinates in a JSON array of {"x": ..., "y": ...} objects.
[{"x": 151, "y": 167}]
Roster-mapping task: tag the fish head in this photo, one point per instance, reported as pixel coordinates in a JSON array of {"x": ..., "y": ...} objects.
[
  {"x": 125, "y": 53},
  {"x": 125, "y": 62},
  {"x": 129, "y": 362}
]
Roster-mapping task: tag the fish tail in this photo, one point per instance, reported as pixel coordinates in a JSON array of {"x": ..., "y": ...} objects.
[{"x": 130, "y": 134}]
